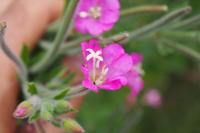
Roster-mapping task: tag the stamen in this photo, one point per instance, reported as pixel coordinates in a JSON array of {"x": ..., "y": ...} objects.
[
  {"x": 102, "y": 76},
  {"x": 95, "y": 12},
  {"x": 98, "y": 64}
]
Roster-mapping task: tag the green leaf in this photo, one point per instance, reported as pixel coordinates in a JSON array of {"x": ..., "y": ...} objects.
[
  {"x": 32, "y": 89},
  {"x": 35, "y": 116},
  {"x": 61, "y": 94},
  {"x": 25, "y": 54}
]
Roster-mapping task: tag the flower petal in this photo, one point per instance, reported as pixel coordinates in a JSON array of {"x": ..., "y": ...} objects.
[
  {"x": 110, "y": 4},
  {"x": 95, "y": 28},
  {"x": 120, "y": 66},
  {"x": 110, "y": 17},
  {"x": 134, "y": 82},
  {"x": 112, "y": 85},
  {"x": 112, "y": 52},
  {"x": 137, "y": 58},
  {"x": 90, "y": 44},
  {"x": 89, "y": 85}
]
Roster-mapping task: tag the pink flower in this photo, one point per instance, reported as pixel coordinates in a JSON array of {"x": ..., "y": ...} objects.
[
  {"x": 134, "y": 80},
  {"x": 104, "y": 68},
  {"x": 153, "y": 98},
  {"x": 96, "y": 16}
]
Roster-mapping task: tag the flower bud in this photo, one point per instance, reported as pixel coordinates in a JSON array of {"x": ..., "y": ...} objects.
[
  {"x": 46, "y": 111},
  {"x": 46, "y": 115},
  {"x": 63, "y": 106},
  {"x": 71, "y": 125},
  {"x": 23, "y": 110}
]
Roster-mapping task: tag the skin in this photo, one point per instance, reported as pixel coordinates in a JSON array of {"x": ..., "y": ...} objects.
[{"x": 26, "y": 22}]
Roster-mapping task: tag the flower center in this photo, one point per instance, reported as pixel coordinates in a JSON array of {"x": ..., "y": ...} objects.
[
  {"x": 94, "y": 12},
  {"x": 98, "y": 73}
]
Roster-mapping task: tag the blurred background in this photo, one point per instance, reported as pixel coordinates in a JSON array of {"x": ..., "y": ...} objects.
[{"x": 175, "y": 75}]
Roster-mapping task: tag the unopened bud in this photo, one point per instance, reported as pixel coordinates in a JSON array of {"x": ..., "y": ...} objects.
[
  {"x": 46, "y": 115},
  {"x": 23, "y": 110},
  {"x": 71, "y": 125},
  {"x": 63, "y": 106}
]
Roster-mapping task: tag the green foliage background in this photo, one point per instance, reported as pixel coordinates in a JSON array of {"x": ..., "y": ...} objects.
[{"x": 175, "y": 75}]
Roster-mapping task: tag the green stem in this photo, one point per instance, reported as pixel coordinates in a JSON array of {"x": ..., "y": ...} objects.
[
  {"x": 141, "y": 9},
  {"x": 181, "y": 36},
  {"x": 160, "y": 23},
  {"x": 185, "y": 50},
  {"x": 61, "y": 35},
  {"x": 192, "y": 21},
  {"x": 21, "y": 67}
]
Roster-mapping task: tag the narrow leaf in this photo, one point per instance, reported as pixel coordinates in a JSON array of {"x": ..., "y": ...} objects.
[{"x": 25, "y": 54}]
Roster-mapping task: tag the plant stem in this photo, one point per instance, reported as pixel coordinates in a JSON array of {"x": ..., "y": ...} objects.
[
  {"x": 78, "y": 94},
  {"x": 142, "y": 9},
  {"x": 192, "y": 37},
  {"x": 61, "y": 35},
  {"x": 152, "y": 27},
  {"x": 192, "y": 21},
  {"x": 182, "y": 49},
  {"x": 21, "y": 67},
  {"x": 160, "y": 23}
]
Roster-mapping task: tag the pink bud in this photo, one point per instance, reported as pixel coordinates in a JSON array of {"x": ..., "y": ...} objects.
[
  {"x": 23, "y": 110},
  {"x": 153, "y": 98}
]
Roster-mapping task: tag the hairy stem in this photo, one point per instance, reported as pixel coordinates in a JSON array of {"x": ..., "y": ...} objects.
[
  {"x": 142, "y": 9},
  {"x": 21, "y": 67},
  {"x": 61, "y": 35}
]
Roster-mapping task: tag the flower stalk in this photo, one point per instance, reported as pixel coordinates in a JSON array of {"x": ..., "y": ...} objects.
[
  {"x": 21, "y": 67},
  {"x": 160, "y": 23},
  {"x": 60, "y": 37},
  {"x": 143, "y": 9}
]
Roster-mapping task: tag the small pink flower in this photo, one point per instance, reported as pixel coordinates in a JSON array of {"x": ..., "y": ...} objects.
[
  {"x": 104, "y": 68},
  {"x": 96, "y": 16},
  {"x": 153, "y": 98}
]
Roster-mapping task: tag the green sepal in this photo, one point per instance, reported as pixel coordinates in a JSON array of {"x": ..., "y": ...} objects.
[
  {"x": 32, "y": 89},
  {"x": 61, "y": 94},
  {"x": 34, "y": 117}
]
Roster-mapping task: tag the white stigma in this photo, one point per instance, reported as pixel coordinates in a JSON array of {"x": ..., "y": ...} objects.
[
  {"x": 83, "y": 14},
  {"x": 94, "y": 55}
]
